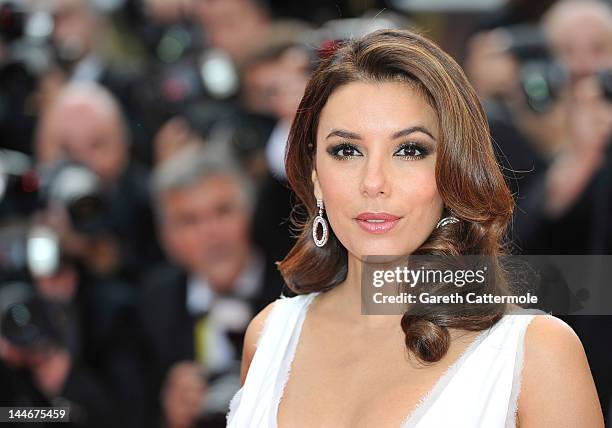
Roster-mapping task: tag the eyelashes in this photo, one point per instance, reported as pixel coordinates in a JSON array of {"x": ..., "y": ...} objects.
[
  {"x": 343, "y": 151},
  {"x": 413, "y": 150},
  {"x": 408, "y": 151}
]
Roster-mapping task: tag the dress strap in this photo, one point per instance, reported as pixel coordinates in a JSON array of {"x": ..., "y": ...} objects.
[
  {"x": 255, "y": 404},
  {"x": 524, "y": 317}
]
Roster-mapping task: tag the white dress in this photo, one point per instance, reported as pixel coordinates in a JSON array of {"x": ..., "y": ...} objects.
[{"x": 480, "y": 389}]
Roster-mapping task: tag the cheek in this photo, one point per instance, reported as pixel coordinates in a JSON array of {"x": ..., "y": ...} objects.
[
  {"x": 236, "y": 229},
  {"x": 422, "y": 194},
  {"x": 180, "y": 241},
  {"x": 109, "y": 152},
  {"x": 421, "y": 201},
  {"x": 340, "y": 187}
]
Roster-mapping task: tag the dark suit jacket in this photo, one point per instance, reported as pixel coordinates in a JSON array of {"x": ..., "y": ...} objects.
[{"x": 168, "y": 327}]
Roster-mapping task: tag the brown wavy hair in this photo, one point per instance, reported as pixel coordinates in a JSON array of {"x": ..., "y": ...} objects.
[{"x": 468, "y": 178}]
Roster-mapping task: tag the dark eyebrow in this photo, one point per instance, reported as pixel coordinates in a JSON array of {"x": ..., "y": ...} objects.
[
  {"x": 412, "y": 130},
  {"x": 352, "y": 136},
  {"x": 343, "y": 134}
]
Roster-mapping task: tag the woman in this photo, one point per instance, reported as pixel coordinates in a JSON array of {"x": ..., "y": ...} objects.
[{"x": 390, "y": 154}]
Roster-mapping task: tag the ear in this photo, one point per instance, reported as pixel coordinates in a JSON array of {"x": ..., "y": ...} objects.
[{"x": 317, "y": 187}]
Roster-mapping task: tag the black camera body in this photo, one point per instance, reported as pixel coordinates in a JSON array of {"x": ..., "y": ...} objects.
[
  {"x": 30, "y": 322},
  {"x": 541, "y": 77},
  {"x": 80, "y": 191}
]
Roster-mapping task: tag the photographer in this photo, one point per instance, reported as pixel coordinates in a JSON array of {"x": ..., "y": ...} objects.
[
  {"x": 76, "y": 341},
  {"x": 563, "y": 203},
  {"x": 273, "y": 78},
  {"x": 550, "y": 115},
  {"x": 194, "y": 312},
  {"x": 555, "y": 129},
  {"x": 82, "y": 46},
  {"x": 25, "y": 60},
  {"x": 112, "y": 231},
  {"x": 38, "y": 363}
]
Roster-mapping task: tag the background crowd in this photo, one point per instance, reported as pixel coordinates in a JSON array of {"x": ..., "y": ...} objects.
[{"x": 143, "y": 197}]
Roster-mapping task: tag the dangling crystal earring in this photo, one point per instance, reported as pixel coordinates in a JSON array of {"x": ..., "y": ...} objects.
[
  {"x": 319, "y": 220},
  {"x": 447, "y": 220}
]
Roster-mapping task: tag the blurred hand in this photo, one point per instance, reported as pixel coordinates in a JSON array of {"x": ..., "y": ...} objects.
[
  {"x": 173, "y": 135},
  {"x": 101, "y": 254},
  {"x": 50, "y": 370},
  {"x": 167, "y": 11},
  {"x": 183, "y": 394},
  {"x": 11, "y": 355},
  {"x": 590, "y": 117},
  {"x": 491, "y": 69},
  {"x": 589, "y": 124}
]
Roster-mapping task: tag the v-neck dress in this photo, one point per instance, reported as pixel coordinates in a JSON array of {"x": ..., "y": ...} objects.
[{"x": 479, "y": 389}]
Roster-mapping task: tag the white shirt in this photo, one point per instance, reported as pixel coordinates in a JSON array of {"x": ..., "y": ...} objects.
[
  {"x": 225, "y": 314},
  {"x": 275, "y": 149}
]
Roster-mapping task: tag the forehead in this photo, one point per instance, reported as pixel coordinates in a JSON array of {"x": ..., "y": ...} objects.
[
  {"x": 62, "y": 7},
  {"x": 206, "y": 191},
  {"x": 376, "y": 108},
  {"x": 92, "y": 119},
  {"x": 584, "y": 23}
]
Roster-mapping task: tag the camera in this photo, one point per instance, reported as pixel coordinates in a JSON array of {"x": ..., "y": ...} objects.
[
  {"x": 27, "y": 252},
  {"x": 605, "y": 82},
  {"x": 19, "y": 184},
  {"x": 541, "y": 78},
  {"x": 12, "y": 21},
  {"x": 28, "y": 321},
  {"x": 79, "y": 190}
]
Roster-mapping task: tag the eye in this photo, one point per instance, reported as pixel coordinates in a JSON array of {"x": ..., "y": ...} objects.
[
  {"x": 412, "y": 151},
  {"x": 344, "y": 151}
]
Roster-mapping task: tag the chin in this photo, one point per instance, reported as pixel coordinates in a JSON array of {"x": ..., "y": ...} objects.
[
  {"x": 221, "y": 284},
  {"x": 392, "y": 252}
]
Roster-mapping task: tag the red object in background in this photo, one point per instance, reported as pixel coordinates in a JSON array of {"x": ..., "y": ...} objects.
[
  {"x": 29, "y": 181},
  {"x": 328, "y": 48}
]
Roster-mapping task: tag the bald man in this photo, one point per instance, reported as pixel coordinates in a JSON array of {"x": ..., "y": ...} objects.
[
  {"x": 85, "y": 124},
  {"x": 580, "y": 32},
  {"x": 76, "y": 31},
  {"x": 83, "y": 49}
]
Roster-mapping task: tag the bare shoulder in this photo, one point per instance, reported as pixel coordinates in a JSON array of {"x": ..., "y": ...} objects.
[
  {"x": 557, "y": 386},
  {"x": 253, "y": 331}
]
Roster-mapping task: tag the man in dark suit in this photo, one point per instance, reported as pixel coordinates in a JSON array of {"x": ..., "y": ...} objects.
[{"x": 194, "y": 313}]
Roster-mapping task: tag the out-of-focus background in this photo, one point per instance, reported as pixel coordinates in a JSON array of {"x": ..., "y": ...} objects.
[{"x": 143, "y": 198}]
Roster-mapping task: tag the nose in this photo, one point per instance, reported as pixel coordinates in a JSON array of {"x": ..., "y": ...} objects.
[{"x": 374, "y": 181}]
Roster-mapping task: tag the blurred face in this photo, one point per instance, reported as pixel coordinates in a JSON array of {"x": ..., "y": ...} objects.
[
  {"x": 582, "y": 39},
  {"x": 375, "y": 168},
  {"x": 231, "y": 25},
  {"x": 72, "y": 31},
  {"x": 90, "y": 136},
  {"x": 276, "y": 87},
  {"x": 206, "y": 229},
  {"x": 167, "y": 10}
]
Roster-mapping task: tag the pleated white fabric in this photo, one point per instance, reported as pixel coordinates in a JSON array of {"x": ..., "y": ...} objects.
[{"x": 480, "y": 389}]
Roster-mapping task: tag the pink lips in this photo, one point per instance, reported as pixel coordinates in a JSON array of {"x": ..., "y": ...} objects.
[{"x": 376, "y": 222}]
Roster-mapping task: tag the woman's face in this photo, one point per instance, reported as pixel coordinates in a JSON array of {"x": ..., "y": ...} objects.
[{"x": 375, "y": 167}]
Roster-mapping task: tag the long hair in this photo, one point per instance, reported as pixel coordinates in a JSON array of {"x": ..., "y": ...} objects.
[{"x": 468, "y": 177}]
